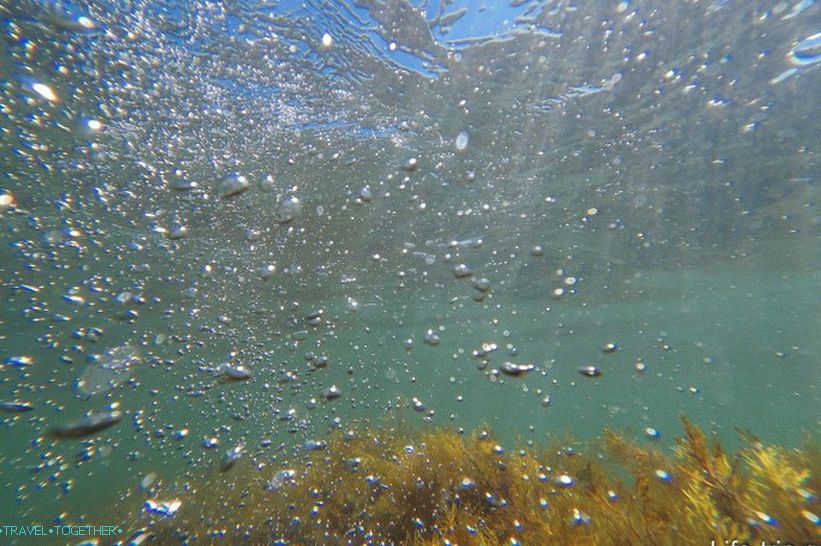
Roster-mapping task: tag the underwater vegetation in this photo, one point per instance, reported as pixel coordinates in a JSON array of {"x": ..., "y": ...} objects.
[{"x": 380, "y": 486}]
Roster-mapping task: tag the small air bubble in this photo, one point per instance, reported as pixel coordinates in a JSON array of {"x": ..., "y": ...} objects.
[{"x": 462, "y": 141}]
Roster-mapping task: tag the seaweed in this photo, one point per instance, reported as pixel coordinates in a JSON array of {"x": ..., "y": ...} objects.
[{"x": 383, "y": 486}]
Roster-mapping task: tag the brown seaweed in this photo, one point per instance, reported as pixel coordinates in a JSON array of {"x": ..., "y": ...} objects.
[{"x": 439, "y": 487}]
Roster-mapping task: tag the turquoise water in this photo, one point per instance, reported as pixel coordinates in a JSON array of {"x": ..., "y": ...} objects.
[{"x": 187, "y": 186}]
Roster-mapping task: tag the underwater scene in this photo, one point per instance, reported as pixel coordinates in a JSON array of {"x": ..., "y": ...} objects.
[{"x": 410, "y": 272}]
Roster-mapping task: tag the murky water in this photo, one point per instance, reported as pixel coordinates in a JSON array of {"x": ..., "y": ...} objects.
[{"x": 230, "y": 228}]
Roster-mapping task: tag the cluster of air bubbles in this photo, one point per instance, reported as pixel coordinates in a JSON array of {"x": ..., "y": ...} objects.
[
  {"x": 516, "y": 370},
  {"x": 18, "y": 361}
]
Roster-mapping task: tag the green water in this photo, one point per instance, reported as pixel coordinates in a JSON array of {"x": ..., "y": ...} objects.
[
  {"x": 642, "y": 174},
  {"x": 731, "y": 348}
]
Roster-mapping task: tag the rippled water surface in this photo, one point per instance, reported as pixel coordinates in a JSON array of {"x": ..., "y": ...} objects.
[{"x": 230, "y": 228}]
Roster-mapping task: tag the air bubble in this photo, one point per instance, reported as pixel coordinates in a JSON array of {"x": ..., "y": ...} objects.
[
  {"x": 288, "y": 208},
  {"x": 462, "y": 141}
]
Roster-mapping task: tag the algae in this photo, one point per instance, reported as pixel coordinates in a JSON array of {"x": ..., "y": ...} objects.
[{"x": 384, "y": 486}]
